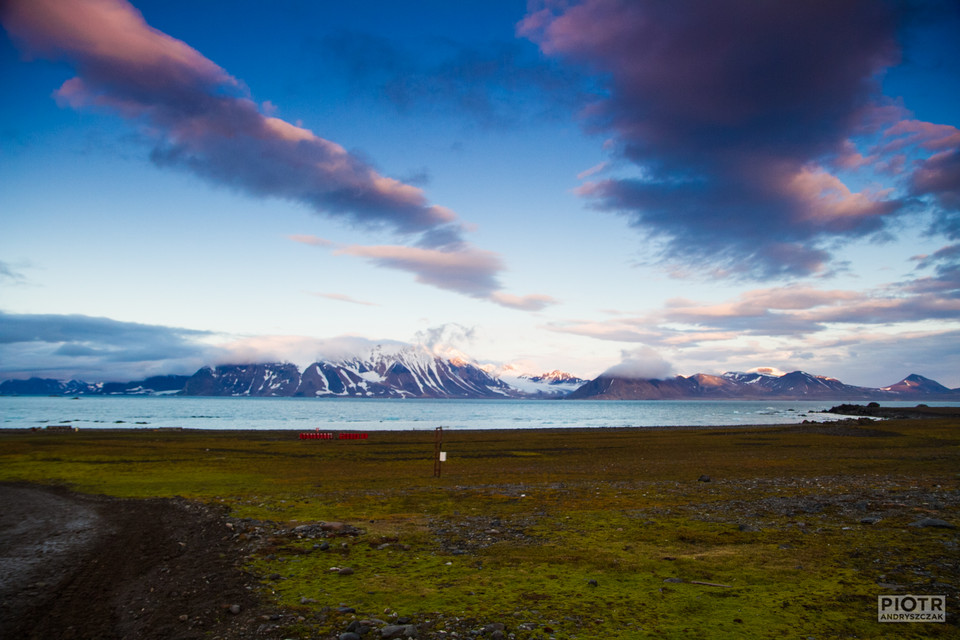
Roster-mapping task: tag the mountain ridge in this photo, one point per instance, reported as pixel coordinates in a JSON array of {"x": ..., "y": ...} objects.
[
  {"x": 795, "y": 385},
  {"x": 414, "y": 371},
  {"x": 409, "y": 372}
]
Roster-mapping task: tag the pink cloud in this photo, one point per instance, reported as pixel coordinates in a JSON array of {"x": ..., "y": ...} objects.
[
  {"x": 110, "y": 41},
  {"x": 935, "y": 170},
  {"x": 930, "y": 136},
  {"x": 341, "y": 297},
  {"x": 850, "y": 158},
  {"x": 203, "y": 120},
  {"x": 882, "y": 310},
  {"x": 783, "y": 324},
  {"x": 469, "y": 271},
  {"x": 826, "y": 203},
  {"x": 759, "y": 302},
  {"x": 939, "y": 176},
  {"x": 614, "y": 330},
  {"x": 459, "y": 268},
  {"x": 313, "y": 241},
  {"x": 533, "y": 302}
]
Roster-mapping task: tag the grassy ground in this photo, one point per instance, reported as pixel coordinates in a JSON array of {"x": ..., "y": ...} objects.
[{"x": 566, "y": 533}]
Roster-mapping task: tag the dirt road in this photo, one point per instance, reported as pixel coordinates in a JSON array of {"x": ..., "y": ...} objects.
[{"x": 91, "y": 567}]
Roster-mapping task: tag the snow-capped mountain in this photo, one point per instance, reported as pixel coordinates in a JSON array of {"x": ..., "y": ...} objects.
[
  {"x": 47, "y": 387},
  {"x": 50, "y": 387},
  {"x": 384, "y": 372},
  {"x": 797, "y": 384},
  {"x": 914, "y": 386},
  {"x": 555, "y": 384},
  {"x": 557, "y": 377}
]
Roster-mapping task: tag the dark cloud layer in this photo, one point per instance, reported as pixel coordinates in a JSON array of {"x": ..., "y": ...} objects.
[
  {"x": 80, "y": 329},
  {"x": 731, "y": 112},
  {"x": 72, "y": 345},
  {"x": 945, "y": 281}
]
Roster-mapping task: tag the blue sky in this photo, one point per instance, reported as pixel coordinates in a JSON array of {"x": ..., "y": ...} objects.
[{"x": 678, "y": 187}]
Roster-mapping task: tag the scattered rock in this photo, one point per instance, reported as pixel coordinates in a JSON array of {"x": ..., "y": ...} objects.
[
  {"x": 234, "y": 609},
  {"x": 465, "y": 535},
  {"x": 932, "y": 522},
  {"x": 870, "y": 520},
  {"x": 703, "y": 478},
  {"x": 592, "y": 583},
  {"x": 673, "y": 580},
  {"x": 349, "y": 635},
  {"x": 308, "y": 531},
  {"x": 345, "y": 571},
  {"x": 370, "y": 622},
  {"x": 339, "y": 529},
  {"x": 398, "y": 631}
]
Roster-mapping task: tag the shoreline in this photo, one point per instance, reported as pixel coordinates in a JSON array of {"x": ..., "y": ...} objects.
[
  {"x": 430, "y": 430},
  {"x": 852, "y": 414},
  {"x": 283, "y": 414}
]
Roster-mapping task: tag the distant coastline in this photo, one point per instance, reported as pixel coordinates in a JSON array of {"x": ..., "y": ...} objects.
[
  {"x": 417, "y": 375},
  {"x": 361, "y": 414}
]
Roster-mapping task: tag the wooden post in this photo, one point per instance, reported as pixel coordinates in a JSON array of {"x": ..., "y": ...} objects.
[{"x": 437, "y": 444}]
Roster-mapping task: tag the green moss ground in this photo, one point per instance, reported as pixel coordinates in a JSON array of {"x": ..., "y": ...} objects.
[{"x": 522, "y": 521}]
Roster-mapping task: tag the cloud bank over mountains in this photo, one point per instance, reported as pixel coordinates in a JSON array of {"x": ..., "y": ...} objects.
[
  {"x": 88, "y": 348},
  {"x": 84, "y": 347},
  {"x": 74, "y": 346}
]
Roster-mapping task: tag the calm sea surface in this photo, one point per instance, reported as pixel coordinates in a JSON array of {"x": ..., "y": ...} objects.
[{"x": 378, "y": 415}]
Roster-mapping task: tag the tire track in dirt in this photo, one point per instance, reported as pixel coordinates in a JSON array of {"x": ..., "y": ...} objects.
[{"x": 81, "y": 567}]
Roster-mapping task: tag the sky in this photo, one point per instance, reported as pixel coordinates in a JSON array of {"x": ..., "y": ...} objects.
[{"x": 661, "y": 187}]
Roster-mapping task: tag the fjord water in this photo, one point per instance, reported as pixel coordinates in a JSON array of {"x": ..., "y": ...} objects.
[{"x": 351, "y": 414}]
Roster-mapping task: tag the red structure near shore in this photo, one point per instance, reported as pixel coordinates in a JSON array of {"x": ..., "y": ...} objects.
[{"x": 327, "y": 435}]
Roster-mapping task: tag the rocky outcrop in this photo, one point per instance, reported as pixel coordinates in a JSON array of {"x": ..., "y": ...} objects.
[{"x": 281, "y": 379}]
